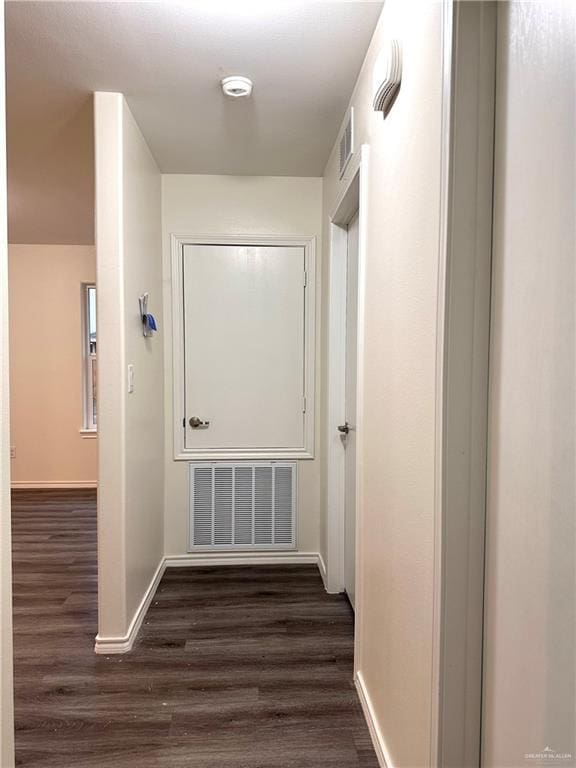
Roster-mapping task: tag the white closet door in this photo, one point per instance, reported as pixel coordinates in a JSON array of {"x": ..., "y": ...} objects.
[{"x": 244, "y": 346}]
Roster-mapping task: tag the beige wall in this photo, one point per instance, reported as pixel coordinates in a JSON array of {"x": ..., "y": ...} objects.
[
  {"x": 242, "y": 205},
  {"x": 46, "y": 365},
  {"x": 396, "y": 517},
  {"x": 530, "y": 683},
  {"x": 131, "y": 480},
  {"x": 6, "y": 686}
]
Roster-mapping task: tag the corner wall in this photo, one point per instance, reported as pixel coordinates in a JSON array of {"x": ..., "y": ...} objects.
[
  {"x": 530, "y": 597},
  {"x": 46, "y": 346},
  {"x": 6, "y": 682},
  {"x": 238, "y": 205},
  {"x": 395, "y": 556},
  {"x": 131, "y": 425}
]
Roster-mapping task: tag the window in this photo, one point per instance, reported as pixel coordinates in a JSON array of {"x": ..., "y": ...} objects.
[{"x": 89, "y": 357}]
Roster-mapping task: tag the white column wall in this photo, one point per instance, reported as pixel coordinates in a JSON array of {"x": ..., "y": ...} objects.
[
  {"x": 131, "y": 426},
  {"x": 397, "y": 447},
  {"x": 530, "y": 599}
]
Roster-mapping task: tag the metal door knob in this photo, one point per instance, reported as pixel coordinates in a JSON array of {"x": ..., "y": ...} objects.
[
  {"x": 344, "y": 428},
  {"x": 197, "y": 423}
]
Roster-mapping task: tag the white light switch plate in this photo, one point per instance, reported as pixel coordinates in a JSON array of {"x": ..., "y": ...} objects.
[{"x": 130, "y": 379}]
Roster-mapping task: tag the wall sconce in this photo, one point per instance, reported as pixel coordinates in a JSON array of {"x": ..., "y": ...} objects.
[{"x": 387, "y": 76}]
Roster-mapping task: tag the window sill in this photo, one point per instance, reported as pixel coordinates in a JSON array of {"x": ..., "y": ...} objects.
[{"x": 88, "y": 433}]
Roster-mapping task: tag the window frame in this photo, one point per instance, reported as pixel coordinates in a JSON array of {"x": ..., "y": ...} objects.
[
  {"x": 89, "y": 366},
  {"x": 304, "y": 451}
]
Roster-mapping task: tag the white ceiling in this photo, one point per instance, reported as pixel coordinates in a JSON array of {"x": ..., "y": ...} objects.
[{"x": 168, "y": 59}]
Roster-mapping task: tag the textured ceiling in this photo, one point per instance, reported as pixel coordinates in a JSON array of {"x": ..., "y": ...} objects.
[{"x": 168, "y": 58}]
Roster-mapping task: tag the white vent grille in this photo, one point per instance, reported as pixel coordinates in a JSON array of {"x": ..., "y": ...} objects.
[
  {"x": 243, "y": 506},
  {"x": 347, "y": 143}
]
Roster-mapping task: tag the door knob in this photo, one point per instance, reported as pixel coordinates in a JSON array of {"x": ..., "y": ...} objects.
[
  {"x": 344, "y": 428},
  {"x": 197, "y": 423}
]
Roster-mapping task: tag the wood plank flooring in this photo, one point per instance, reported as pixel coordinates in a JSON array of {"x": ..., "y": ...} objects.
[{"x": 243, "y": 667}]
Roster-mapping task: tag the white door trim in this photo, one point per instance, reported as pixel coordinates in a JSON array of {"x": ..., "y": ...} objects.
[
  {"x": 352, "y": 200},
  {"x": 305, "y": 451},
  {"x": 6, "y": 677},
  {"x": 463, "y": 324}
]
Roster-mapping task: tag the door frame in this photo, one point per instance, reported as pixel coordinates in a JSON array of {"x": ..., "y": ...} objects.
[
  {"x": 307, "y": 449},
  {"x": 352, "y": 200},
  {"x": 462, "y": 370},
  {"x": 6, "y": 651}
]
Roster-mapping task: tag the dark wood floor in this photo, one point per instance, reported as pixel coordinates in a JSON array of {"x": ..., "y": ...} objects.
[{"x": 239, "y": 667}]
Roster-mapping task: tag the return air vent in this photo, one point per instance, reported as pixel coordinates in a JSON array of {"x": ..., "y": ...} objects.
[
  {"x": 347, "y": 143},
  {"x": 242, "y": 506}
]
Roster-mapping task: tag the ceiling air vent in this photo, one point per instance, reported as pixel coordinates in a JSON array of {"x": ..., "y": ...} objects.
[
  {"x": 347, "y": 143},
  {"x": 242, "y": 506}
]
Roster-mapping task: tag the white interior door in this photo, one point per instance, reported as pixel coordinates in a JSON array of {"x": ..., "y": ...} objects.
[
  {"x": 350, "y": 410},
  {"x": 244, "y": 346}
]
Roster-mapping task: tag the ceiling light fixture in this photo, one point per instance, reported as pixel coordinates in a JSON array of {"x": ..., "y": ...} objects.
[{"x": 237, "y": 86}]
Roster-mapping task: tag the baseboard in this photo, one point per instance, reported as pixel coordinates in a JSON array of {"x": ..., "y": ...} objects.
[
  {"x": 241, "y": 558},
  {"x": 52, "y": 484},
  {"x": 108, "y": 645},
  {"x": 124, "y": 644},
  {"x": 376, "y": 734},
  {"x": 323, "y": 572}
]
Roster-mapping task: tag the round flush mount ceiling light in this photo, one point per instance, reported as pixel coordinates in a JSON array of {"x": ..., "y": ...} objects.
[{"x": 237, "y": 86}]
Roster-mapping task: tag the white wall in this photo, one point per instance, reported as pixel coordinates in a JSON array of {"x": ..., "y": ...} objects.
[
  {"x": 144, "y": 407},
  {"x": 46, "y": 365},
  {"x": 396, "y": 516},
  {"x": 131, "y": 426},
  {"x": 530, "y": 691},
  {"x": 242, "y": 205},
  {"x": 6, "y": 685}
]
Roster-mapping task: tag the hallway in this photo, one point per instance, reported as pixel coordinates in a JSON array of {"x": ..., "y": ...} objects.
[{"x": 239, "y": 666}]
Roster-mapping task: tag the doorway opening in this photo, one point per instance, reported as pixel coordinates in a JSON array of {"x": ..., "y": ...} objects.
[
  {"x": 54, "y": 398},
  {"x": 348, "y": 429},
  {"x": 344, "y": 386}
]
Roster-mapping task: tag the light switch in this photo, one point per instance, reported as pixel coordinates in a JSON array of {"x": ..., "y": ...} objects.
[{"x": 130, "y": 379}]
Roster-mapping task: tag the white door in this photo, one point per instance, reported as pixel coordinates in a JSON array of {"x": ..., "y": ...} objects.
[
  {"x": 244, "y": 346},
  {"x": 350, "y": 410},
  {"x": 529, "y": 697}
]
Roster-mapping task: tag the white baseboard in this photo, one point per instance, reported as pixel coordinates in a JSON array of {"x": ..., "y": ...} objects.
[
  {"x": 241, "y": 558},
  {"x": 377, "y": 738},
  {"x": 108, "y": 645},
  {"x": 53, "y": 484},
  {"x": 323, "y": 572},
  {"x": 124, "y": 644}
]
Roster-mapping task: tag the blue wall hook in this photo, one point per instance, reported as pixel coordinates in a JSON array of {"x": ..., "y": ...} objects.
[{"x": 148, "y": 320}]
